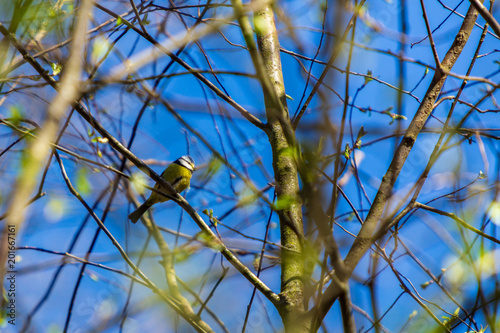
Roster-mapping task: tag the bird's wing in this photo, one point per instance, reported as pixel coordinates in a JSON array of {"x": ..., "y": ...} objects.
[{"x": 176, "y": 182}]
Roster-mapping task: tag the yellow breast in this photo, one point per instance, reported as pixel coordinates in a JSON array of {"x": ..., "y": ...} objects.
[{"x": 178, "y": 176}]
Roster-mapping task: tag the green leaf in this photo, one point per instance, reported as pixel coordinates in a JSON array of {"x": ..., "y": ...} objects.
[
  {"x": 261, "y": 25},
  {"x": 210, "y": 242},
  {"x": 394, "y": 116},
  {"x": 119, "y": 21},
  {"x": 16, "y": 114},
  {"x": 426, "y": 284},
  {"x": 82, "y": 183},
  {"x": 347, "y": 151},
  {"x": 204, "y": 238},
  {"x": 256, "y": 261},
  {"x": 284, "y": 202},
  {"x": 183, "y": 255},
  {"x": 361, "y": 133},
  {"x": 93, "y": 277},
  {"x": 55, "y": 209},
  {"x": 54, "y": 328},
  {"x": 56, "y": 68},
  {"x": 99, "y": 49},
  {"x": 210, "y": 214},
  {"x": 368, "y": 77},
  {"x": 247, "y": 198},
  {"x": 138, "y": 179},
  {"x": 323, "y": 6},
  {"x": 71, "y": 6},
  {"x": 211, "y": 169}
]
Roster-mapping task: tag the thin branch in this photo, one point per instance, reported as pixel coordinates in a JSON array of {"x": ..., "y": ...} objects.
[
  {"x": 346, "y": 310},
  {"x": 333, "y": 57},
  {"x": 364, "y": 238},
  {"x": 431, "y": 39},
  {"x": 486, "y": 15},
  {"x": 37, "y": 151},
  {"x": 68, "y": 258},
  {"x": 166, "y": 48},
  {"x": 457, "y": 219},
  {"x": 167, "y": 263},
  {"x": 273, "y": 297},
  {"x": 192, "y": 319}
]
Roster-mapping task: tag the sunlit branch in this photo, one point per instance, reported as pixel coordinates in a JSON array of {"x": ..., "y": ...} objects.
[
  {"x": 486, "y": 15},
  {"x": 166, "y": 48},
  {"x": 146, "y": 169}
]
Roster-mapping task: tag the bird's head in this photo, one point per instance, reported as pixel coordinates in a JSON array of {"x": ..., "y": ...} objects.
[{"x": 186, "y": 161}]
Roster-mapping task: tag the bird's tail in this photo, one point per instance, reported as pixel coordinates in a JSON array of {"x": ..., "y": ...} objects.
[{"x": 136, "y": 214}]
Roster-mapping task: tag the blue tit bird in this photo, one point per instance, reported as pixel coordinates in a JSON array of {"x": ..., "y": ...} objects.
[{"x": 178, "y": 174}]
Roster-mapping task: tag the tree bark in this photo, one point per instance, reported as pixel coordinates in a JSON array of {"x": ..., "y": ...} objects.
[{"x": 284, "y": 148}]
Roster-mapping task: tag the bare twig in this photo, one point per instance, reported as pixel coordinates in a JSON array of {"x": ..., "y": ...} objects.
[{"x": 486, "y": 15}]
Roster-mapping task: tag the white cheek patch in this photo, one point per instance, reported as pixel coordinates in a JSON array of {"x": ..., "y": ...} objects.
[{"x": 184, "y": 161}]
